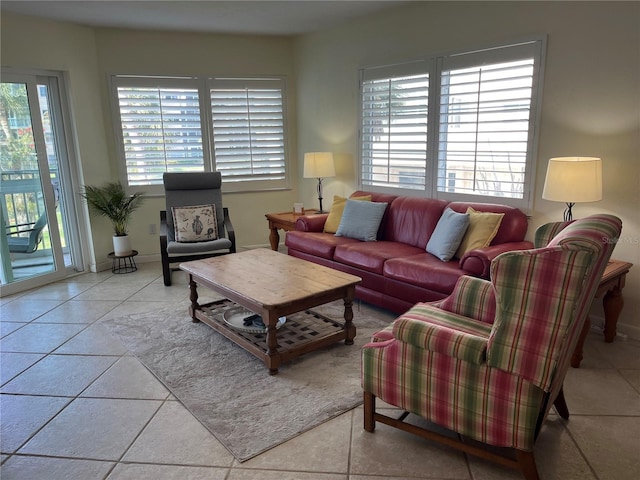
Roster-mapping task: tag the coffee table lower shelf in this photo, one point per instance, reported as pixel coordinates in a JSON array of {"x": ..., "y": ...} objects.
[{"x": 303, "y": 332}]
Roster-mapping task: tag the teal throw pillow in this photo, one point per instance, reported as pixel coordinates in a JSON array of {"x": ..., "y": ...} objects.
[
  {"x": 361, "y": 220},
  {"x": 448, "y": 234}
]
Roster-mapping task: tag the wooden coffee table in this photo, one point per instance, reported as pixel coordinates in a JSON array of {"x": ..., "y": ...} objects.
[{"x": 274, "y": 285}]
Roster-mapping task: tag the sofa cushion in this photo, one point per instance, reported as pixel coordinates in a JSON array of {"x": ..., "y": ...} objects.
[
  {"x": 361, "y": 220},
  {"x": 424, "y": 270},
  {"x": 412, "y": 220},
  {"x": 335, "y": 214},
  {"x": 483, "y": 226},
  {"x": 316, "y": 243},
  {"x": 372, "y": 256},
  {"x": 448, "y": 234},
  {"x": 513, "y": 227}
]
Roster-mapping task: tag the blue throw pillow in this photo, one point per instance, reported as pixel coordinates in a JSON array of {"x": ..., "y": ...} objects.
[
  {"x": 448, "y": 234},
  {"x": 361, "y": 220}
]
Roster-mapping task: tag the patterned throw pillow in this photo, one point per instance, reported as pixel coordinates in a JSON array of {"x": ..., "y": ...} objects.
[{"x": 196, "y": 223}]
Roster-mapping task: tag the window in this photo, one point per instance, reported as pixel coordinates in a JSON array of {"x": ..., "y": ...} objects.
[
  {"x": 472, "y": 133},
  {"x": 248, "y": 129},
  {"x": 394, "y": 127},
  {"x": 235, "y": 126}
]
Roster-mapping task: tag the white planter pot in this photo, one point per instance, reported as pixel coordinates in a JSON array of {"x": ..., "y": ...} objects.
[{"x": 122, "y": 246}]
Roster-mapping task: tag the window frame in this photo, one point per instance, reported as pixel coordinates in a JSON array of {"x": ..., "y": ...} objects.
[
  {"x": 203, "y": 84},
  {"x": 435, "y": 66}
]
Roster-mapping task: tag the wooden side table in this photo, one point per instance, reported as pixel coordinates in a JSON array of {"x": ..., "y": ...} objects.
[
  {"x": 285, "y": 221},
  {"x": 611, "y": 286}
]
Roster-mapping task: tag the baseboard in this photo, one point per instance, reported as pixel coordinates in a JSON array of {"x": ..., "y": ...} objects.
[
  {"x": 253, "y": 247},
  {"x": 155, "y": 257}
]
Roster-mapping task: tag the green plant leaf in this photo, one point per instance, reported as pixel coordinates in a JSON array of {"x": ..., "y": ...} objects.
[{"x": 111, "y": 201}]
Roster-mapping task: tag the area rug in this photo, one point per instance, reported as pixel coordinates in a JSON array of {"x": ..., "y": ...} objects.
[{"x": 231, "y": 392}]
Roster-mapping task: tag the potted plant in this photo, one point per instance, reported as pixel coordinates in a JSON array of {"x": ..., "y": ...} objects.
[{"x": 112, "y": 201}]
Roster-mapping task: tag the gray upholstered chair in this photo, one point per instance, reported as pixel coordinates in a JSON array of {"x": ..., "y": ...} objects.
[{"x": 192, "y": 189}]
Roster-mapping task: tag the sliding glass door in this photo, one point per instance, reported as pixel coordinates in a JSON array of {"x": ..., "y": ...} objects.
[{"x": 37, "y": 245}]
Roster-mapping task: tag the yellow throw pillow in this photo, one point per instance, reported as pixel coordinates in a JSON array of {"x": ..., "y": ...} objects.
[
  {"x": 335, "y": 214},
  {"x": 483, "y": 226}
]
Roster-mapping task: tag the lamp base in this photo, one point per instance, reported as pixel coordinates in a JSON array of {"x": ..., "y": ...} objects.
[
  {"x": 568, "y": 216},
  {"x": 320, "y": 196}
]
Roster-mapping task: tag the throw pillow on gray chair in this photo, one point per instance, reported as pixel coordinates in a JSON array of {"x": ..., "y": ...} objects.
[{"x": 195, "y": 224}]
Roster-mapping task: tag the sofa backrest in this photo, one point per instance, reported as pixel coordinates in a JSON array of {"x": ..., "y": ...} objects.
[
  {"x": 513, "y": 227},
  {"x": 409, "y": 220},
  {"x": 412, "y": 220}
]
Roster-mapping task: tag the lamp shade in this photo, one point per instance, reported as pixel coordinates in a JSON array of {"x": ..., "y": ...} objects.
[
  {"x": 319, "y": 165},
  {"x": 573, "y": 179}
]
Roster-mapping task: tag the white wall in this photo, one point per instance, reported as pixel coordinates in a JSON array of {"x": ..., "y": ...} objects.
[{"x": 591, "y": 97}]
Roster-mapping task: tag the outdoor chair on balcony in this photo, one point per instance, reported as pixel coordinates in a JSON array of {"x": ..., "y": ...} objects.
[
  {"x": 195, "y": 225},
  {"x": 26, "y": 237},
  {"x": 489, "y": 361}
]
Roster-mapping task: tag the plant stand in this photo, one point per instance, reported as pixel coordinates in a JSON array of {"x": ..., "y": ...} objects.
[{"x": 123, "y": 264}]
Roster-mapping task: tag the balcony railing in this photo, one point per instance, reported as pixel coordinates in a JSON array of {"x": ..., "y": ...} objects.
[{"x": 22, "y": 201}]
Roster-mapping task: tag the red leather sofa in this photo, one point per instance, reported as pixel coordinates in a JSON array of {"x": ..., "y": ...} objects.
[{"x": 396, "y": 270}]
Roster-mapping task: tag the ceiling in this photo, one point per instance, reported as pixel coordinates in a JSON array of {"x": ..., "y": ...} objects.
[{"x": 266, "y": 17}]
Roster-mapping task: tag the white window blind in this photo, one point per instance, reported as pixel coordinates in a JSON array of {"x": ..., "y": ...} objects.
[
  {"x": 394, "y": 131},
  {"x": 485, "y": 124},
  {"x": 161, "y": 132},
  {"x": 195, "y": 124},
  {"x": 472, "y": 133},
  {"x": 248, "y": 129}
]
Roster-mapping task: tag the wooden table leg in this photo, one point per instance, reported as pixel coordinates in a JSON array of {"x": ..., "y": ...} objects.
[
  {"x": 274, "y": 237},
  {"x": 348, "y": 317},
  {"x": 576, "y": 358},
  {"x": 613, "y": 303},
  {"x": 270, "y": 319},
  {"x": 193, "y": 296}
]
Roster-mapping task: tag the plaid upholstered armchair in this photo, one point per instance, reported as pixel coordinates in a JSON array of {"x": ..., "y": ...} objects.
[{"x": 488, "y": 362}]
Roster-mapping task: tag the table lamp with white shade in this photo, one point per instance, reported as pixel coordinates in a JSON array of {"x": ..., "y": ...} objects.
[
  {"x": 572, "y": 180},
  {"x": 319, "y": 165}
]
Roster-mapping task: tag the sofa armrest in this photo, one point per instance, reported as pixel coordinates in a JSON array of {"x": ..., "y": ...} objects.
[
  {"x": 311, "y": 223},
  {"x": 430, "y": 328},
  {"x": 478, "y": 262}
]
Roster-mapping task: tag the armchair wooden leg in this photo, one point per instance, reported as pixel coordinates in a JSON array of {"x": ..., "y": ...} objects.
[
  {"x": 166, "y": 272},
  {"x": 527, "y": 465},
  {"x": 369, "y": 411},
  {"x": 561, "y": 405}
]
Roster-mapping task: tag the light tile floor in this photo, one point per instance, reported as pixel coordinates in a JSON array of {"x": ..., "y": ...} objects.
[{"x": 76, "y": 405}]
